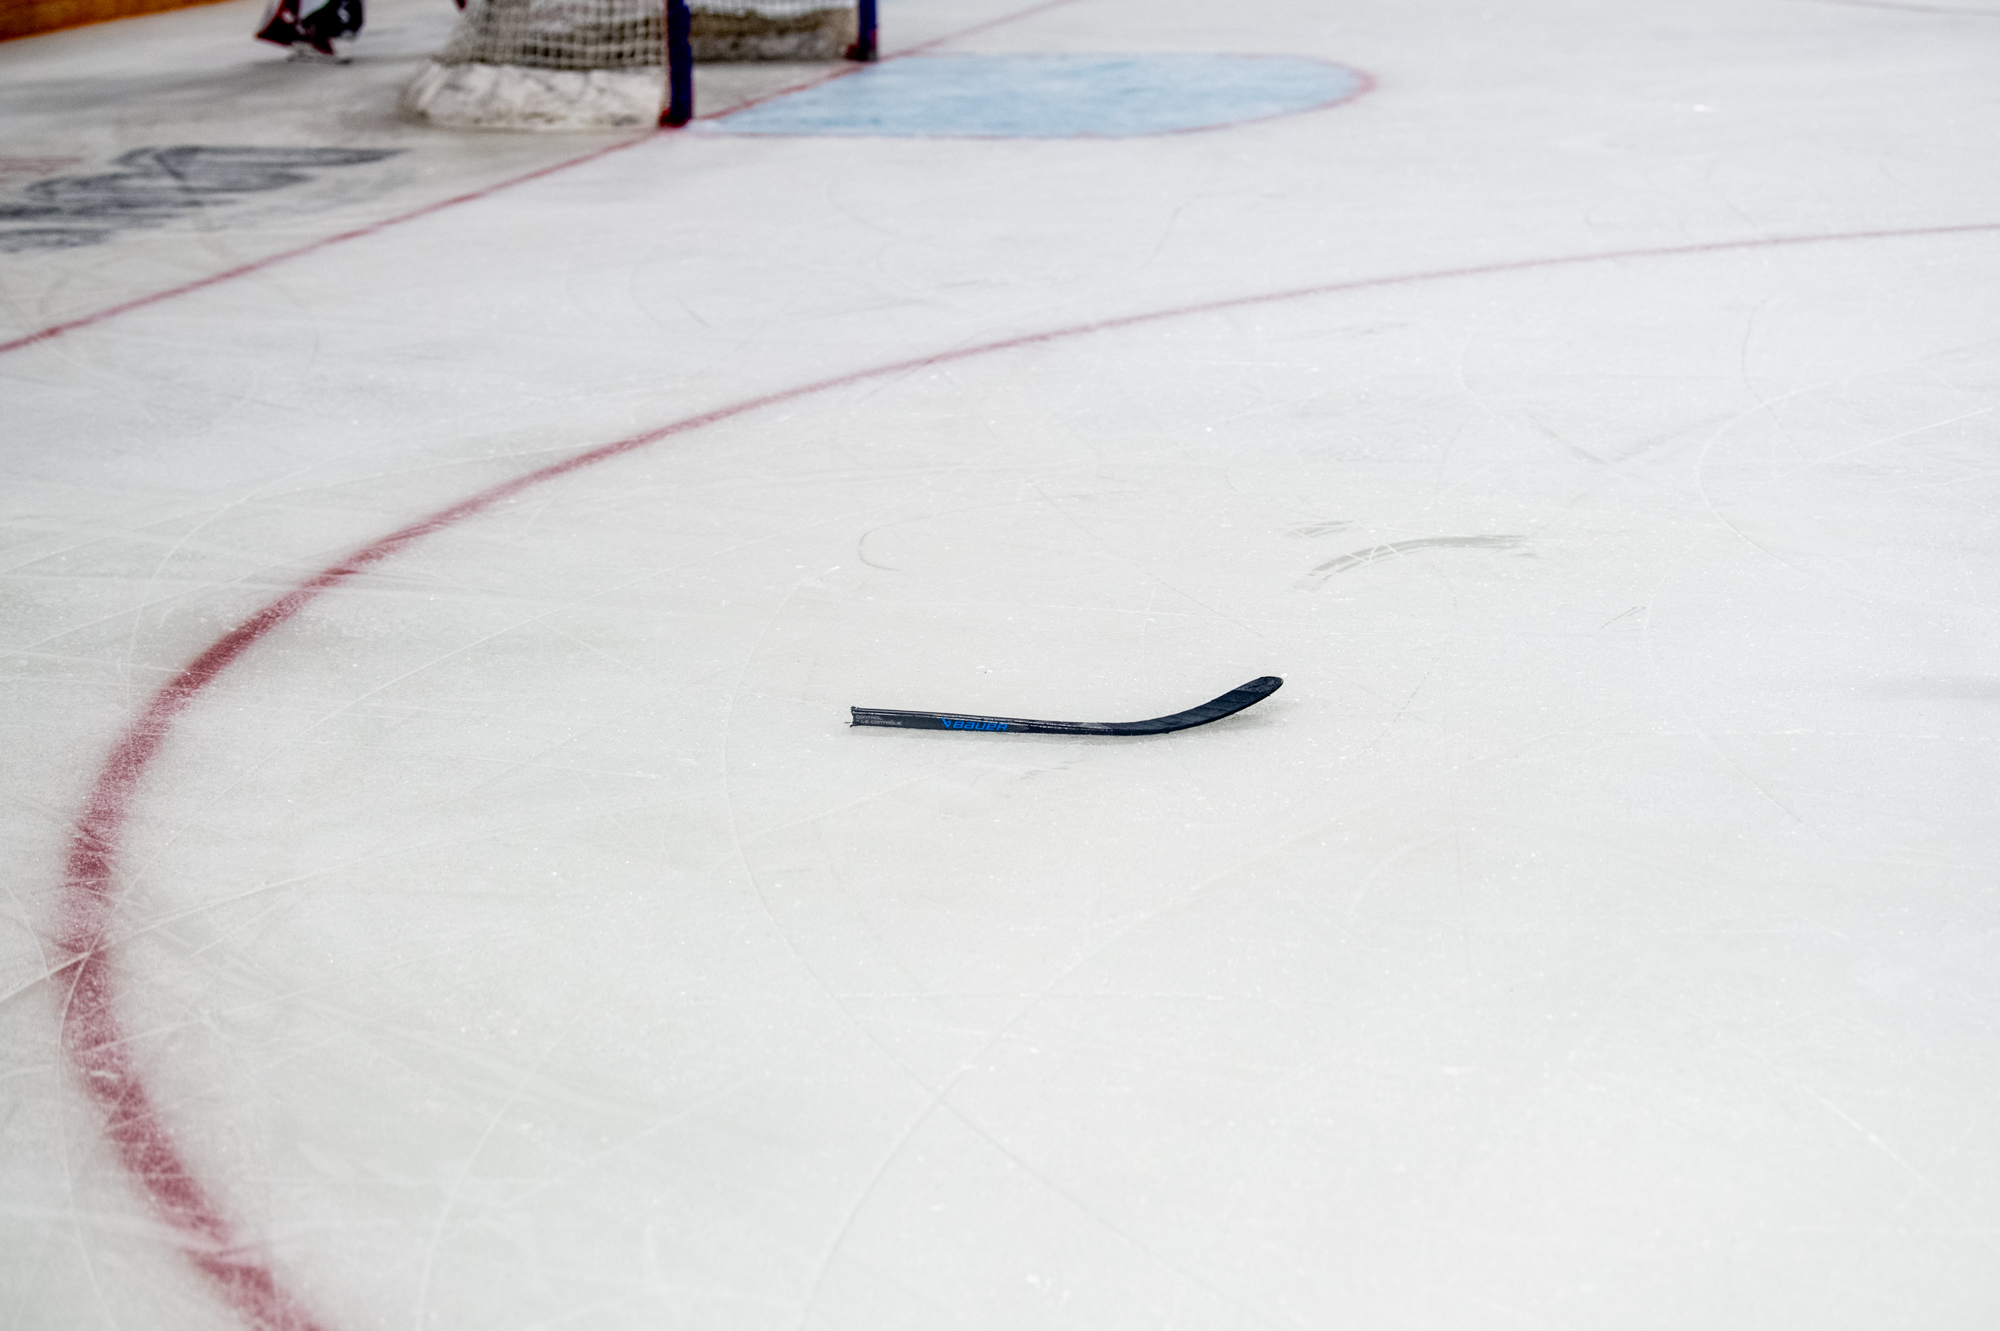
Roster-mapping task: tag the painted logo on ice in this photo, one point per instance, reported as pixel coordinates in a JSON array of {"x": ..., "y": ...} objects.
[
  {"x": 153, "y": 186},
  {"x": 1051, "y": 96}
]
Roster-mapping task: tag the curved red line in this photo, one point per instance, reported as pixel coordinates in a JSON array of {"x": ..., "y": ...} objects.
[{"x": 92, "y": 1036}]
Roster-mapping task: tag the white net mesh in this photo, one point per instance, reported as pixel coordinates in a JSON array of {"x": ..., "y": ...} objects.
[
  {"x": 772, "y": 30},
  {"x": 623, "y": 34},
  {"x": 600, "y": 64},
  {"x": 558, "y": 34}
]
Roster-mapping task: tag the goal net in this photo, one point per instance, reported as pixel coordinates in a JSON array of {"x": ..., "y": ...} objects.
[{"x": 604, "y": 64}]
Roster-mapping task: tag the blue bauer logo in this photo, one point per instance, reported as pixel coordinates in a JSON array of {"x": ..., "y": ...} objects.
[{"x": 950, "y": 724}]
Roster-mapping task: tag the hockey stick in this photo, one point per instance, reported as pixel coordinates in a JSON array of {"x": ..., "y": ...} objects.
[{"x": 1214, "y": 710}]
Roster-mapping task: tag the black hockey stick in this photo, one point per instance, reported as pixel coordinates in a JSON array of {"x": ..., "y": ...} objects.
[{"x": 1214, "y": 710}]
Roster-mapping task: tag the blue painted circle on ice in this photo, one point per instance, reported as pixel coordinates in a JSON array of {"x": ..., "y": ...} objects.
[{"x": 1051, "y": 96}]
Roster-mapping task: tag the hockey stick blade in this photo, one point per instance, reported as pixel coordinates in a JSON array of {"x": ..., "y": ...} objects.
[{"x": 1228, "y": 704}]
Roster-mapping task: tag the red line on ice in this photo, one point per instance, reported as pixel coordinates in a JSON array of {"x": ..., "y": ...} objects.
[{"x": 96, "y": 1041}]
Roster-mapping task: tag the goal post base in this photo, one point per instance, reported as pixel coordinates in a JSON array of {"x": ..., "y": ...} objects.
[
  {"x": 517, "y": 97},
  {"x": 863, "y": 47},
  {"x": 679, "y": 107}
]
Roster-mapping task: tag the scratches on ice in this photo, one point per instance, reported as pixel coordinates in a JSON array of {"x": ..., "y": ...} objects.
[{"x": 1390, "y": 549}]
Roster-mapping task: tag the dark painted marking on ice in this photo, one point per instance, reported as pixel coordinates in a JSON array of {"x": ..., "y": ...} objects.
[
  {"x": 153, "y": 186},
  {"x": 269, "y": 260},
  {"x": 1230, "y": 703},
  {"x": 92, "y": 1035}
]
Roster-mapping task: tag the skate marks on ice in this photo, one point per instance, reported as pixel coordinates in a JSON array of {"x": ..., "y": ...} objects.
[
  {"x": 1389, "y": 550},
  {"x": 153, "y": 186},
  {"x": 1311, "y": 529},
  {"x": 1935, "y": 688},
  {"x": 1954, "y": 11}
]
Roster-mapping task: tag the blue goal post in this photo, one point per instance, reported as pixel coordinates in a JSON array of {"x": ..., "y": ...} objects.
[{"x": 737, "y": 30}]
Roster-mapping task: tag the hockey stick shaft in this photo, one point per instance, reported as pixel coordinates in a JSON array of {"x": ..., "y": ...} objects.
[{"x": 1213, "y": 710}]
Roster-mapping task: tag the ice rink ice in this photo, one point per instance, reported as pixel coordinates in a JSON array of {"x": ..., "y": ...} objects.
[{"x": 443, "y": 892}]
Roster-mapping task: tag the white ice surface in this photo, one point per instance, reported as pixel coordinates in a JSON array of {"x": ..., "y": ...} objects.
[{"x": 1600, "y": 929}]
